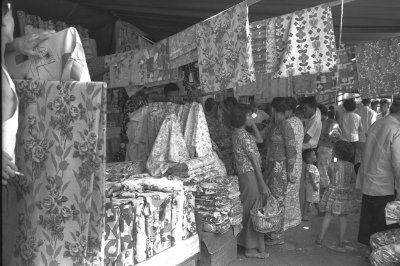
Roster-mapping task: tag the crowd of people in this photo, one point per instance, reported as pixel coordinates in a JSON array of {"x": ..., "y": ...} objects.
[{"x": 325, "y": 153}]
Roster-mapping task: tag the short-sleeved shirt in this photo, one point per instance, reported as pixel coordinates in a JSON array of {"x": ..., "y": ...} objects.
[
  {"x": 244, "y": 145},
  {"x": 313, "y": 128},
  {"x": 350, "y": 122}
]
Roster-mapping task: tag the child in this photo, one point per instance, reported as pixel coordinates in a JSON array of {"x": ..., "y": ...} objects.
[
  {"x": 338, "y": 199},
  {"x": 312, "y": 180}
]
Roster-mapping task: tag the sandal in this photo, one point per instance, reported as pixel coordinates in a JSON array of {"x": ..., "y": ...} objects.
[{"x": 338, "y": 249}]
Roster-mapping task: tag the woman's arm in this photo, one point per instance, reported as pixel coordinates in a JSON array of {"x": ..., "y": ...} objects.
[{"x": 257, "y": 171}]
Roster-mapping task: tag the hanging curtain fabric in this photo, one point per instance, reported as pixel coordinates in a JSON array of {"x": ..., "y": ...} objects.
[
  {"x": 127, "y": 39},
  {"x": 61, "y": 151},
  {"x": 263, "y": 45},
  {"x": 63, "y": 59},
  {"x": 305, "y": 42},
  {"x": 120, "y": 70},
  {"x": 378, "y": 65},
  {"x": 224, "y": 50},
  {"x": 182, "y": 47}
]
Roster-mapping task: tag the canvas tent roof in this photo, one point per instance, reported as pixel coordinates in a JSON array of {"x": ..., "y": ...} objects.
[{"x": 364, "y": 20}]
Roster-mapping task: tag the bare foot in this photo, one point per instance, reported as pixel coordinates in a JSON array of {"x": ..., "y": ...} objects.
[{"x": 252, "y": 253}]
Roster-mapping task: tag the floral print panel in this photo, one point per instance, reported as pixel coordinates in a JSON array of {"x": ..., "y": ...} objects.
[
  {"x": 63, "y": 60},
  {"x": 305, "y": 42},
  {"x": 378, "y": 65},
  {"x": 224, "y": 50},
  {"x": 61, "y": 151},
  {"x": 127, "y": 39},
  {"x": 182, "y": 47}
]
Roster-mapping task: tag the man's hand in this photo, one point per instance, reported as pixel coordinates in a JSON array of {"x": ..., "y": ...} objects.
[{"x": 27, "y": 43}]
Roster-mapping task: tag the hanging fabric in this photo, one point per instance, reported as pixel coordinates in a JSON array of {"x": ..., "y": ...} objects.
[
  {"x": 224, "y": 50},
  {"x": 126, "y": 38},
  {"x": 305, "y": 42},
  {"x": 378, "y": 65},
  {"x": 61, "y": 151},
  {"x": 63, "y": 59},
  {"x": 305, "y": 84},
  {"x": 182, "y": 47}
]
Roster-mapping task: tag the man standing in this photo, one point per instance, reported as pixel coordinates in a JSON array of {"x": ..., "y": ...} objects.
[
  {"x": 368, "y": 117},
  {"x": 379, "y": 173},
  {"x": 384, "y": 108},
  {"x": 313, "y": 126}
]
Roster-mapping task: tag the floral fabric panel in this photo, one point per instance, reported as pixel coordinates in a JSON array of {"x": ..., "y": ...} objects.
[
  {"x": 126, "y": 227},
  {"x": 120, "y": 74},
  {"x": 182, "y": 47},
  {"x": 127, "y": 39},
  {"x": 139, "y": 234},
  {"x": 60, "y": 150},
  {"x": 188, "y": 220},
  {"x": 224, "y": 50},
  {"x": 157, "y": 63},
  {"x": 111, "y": 244},
  {"x": 307, "y": 46},
  {"x": 378, "y": 65},
  {"x": 169, "y": 147},
  {"x": 63, "y": 60},
  {"x": 263, "y": 45}
]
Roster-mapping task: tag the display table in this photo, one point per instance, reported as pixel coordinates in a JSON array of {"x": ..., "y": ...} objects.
[{"x": 176, "y": 254}]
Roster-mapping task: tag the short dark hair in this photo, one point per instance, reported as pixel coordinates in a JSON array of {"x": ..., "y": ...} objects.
[
  {"x": 209, "y": 104},
  {"x": 238, "y": 115},
  {"x": 344, "y": 150},
  {"x": 323, "y": 109},
  {"x": 350, "y": 105},
  {"x": 395, "y": 108},
  {"x": 384, "y": 101},
  {"x": 231, "y": 100},
  {"x": 291, "y": 103},
  {"x": 279, "y": 104},
  {"x": 307, "y": 153},
  {"x": 310, "y": 101},
  {"x": 373, "y": 103},
  {"x": 170, "y": 87},
  {"x": 365, "y": 102}
]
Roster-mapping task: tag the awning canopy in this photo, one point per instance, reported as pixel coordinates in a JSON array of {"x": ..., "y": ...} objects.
[{"x": 364, "y": 20}]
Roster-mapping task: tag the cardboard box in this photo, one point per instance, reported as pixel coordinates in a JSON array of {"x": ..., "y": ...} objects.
[{"x": 218, "y": 250}]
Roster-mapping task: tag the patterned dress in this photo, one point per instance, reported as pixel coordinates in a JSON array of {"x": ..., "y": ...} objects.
[
  {"x": 244, "y": 146},
  {"x": 338, "y": 198},
  {"x": 281, "y": 159},
  {"x": 292, "y": 200}
]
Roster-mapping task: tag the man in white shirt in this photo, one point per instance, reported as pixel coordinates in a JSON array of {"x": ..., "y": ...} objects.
[
  {"x": 313, "y": 124},
  {"x": 379, "y": 173},
  {"x": 368, "y": 117}
]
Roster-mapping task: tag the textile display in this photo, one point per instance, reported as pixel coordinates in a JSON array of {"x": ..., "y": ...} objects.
[
  {"x": 192, "y": 164},
  {"x": 169, "y": 147},
  {"x": 61, "y": 151},
  {"x": 120, "y": 65},
  {"x": 63, "y": 60},
  {"x": 305, "y": 42},
  {"x": 182, "y": 47},
  {"x": 263, "y": 45},
  {"x": 378, "y": 65},
  {"x": 385, "y": 248},
  {"x": 224, "y": 50},
  {"x": 122, "y": 170},
  {"x": 127, "y": 39},
  {"x": 392, "y": 212}
]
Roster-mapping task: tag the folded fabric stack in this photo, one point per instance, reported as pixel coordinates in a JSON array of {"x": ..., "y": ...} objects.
[
  {"x": 193, "y": 167},
  {"x": 122, "y": 170},
  {"x": 146, "y": 217},
  {"x": 392, "y": 212},
  {"x": 218, "y": 203}
]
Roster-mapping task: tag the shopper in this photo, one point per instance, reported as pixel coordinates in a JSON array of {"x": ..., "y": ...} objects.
[
  {"x": 338, "y": 200},
  {"x": 379, "y": 173},
  {"x": 9, "y": 103},
  {"x": 384, "y": 108},
  {"x": 281, "y": 159},
  {"x": 368, "y": 117},
  {"x": 374, "y": 106},
  {"x": 292, "y": 199},
  {"x": 313, "y": 124},
  {"x": 312, "y": 181},
  {"x": 350, "y": 123},
  {"x": 251, "y": 183}
]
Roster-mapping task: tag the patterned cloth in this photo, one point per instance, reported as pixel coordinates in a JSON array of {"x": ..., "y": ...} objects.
[
  {"x": 384, "y": 238},
  {"x": 292, "y": 199},
  {"x": 244, "y": 145},
  {"x": 312, "y": 174},
  {"x": 324, "y": 159},
  {"x": 224, "y": 50},
  {"x": 263, "y": 45},
  {"x": 378, "y": 65},
  {"x": 385, "y": 248},
  {"x": 338, "y": 198},
  {"x": 61, "y": 151},
  {"x": 63, "y": 60},
  {"x": 305, "y": 42},
  {"x": 182, "y": 47},
  {"x": 392, "y": 212},
  {"x": 127, "y": 39}
]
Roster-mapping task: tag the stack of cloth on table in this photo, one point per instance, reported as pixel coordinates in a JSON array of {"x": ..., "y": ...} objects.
[
  {"x": 122, "y": 170},
  {"x": 145, "y": 217},
  {"x": 218, "y": 203}
]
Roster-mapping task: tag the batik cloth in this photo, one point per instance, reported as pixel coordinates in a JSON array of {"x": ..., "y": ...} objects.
[
  {"x": 122, "y": 170},
  {"x": 244, "y": 145},
  {"x": 224, "y": 50},
  {"x": 120, "y": 70},
  {"x": 378, "y": 65},
  {"x": 385, "y": 247},
  {"x": 63, "y": 59},
  {"x": 126, "y": 38},
  {"x": 292, "y": 199},
  {"x": 182, "y": 47},
  {"x": 392, "y": 212},
  {"x": 263, "y": 45},
  {"x": 61, "y": 151},
  {"x": 305, "y": 42}
]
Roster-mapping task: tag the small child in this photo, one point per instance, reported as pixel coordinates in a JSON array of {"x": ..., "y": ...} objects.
[
  {"x": 338, "y": 199},
  {"x": 312, "y": 180}
]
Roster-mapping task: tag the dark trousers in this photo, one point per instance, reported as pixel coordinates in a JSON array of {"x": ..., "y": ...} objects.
[{"x": 372, "y": 218}]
